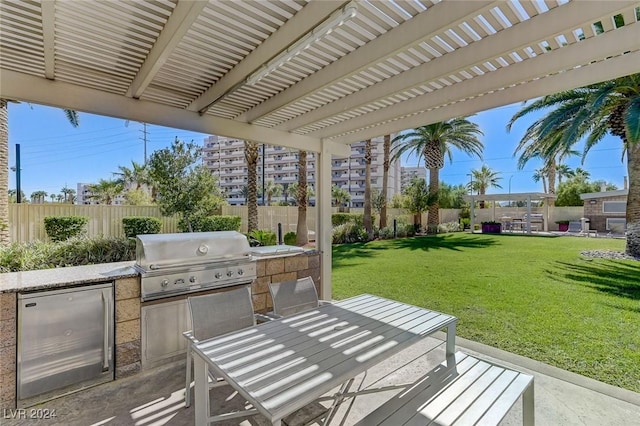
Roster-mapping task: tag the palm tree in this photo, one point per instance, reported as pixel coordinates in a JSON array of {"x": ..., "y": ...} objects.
[
  {"x": 432, "y": 142},
  {"x": 366, "y": 221},
  {"x": 251, "y": 155},
  {"x": 72, "y": 116},
  {"x": 484, "y": 179},
  {"x": 386, "y": 147},
  {"x": 38, "y": 196},
  {"x": 562, "y": 170},
  {"x": 68, "y": 194},
  {"x": 105, "y": 191},
  {"x": 302, "y": 233},
  {"x": 272, "y": 190},
  {"x": 53, "y": 197},
  {"x": 541, "y": 175},
  {"x": 591, "y": 112},
  {"x": 339, "y": 196},
  {"x": 581, "y": 173}
]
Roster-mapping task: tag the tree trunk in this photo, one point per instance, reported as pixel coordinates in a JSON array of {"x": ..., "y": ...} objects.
[
  {"x": 551, "y": 172},
  {"x": 385, "y": 180},
  {"x": 4, "y": 173},
  {"x": 633, "y": 199},
  {"x": 251, "y": 155},
  {"x": 367, "y": 189},
  {"x": 433, "y": 218},
  {"x": 302, "y": 233}
]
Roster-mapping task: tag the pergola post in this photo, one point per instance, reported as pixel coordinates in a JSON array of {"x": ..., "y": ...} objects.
[{"x": 528, "y": 214}]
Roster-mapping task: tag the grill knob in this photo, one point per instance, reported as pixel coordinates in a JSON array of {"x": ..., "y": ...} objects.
[
  {"x": 240, "y": 272},
  {"x": 218, "y": 275},
  {"x": 164, "y": 283},
  {"x": 230, "y": 273},
  {"x": 192, "y": 279},
  {"x": 179, "y": 281}
]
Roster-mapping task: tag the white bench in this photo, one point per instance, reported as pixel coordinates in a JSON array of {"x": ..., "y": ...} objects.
[{"x": 471, "y": 392}]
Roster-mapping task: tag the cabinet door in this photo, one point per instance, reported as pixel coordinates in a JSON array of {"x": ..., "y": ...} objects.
[
  {"x": 162, "y": 328},
  {"x": 62, "y": 338}
]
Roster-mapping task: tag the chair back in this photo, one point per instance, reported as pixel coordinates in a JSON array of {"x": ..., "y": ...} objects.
[
  {"x": 574, "y": 226},
  {"x": 291, "y": 297},
  {"x": 219, "y": 313}
]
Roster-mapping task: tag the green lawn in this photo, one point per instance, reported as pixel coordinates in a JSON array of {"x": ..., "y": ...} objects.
[{"x": 530, "y": 295}]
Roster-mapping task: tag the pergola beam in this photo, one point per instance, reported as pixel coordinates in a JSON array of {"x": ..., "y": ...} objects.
[
  {"x": 300, "y": 24},
  {"x": 48, "y": 37},
  {"x": 530, "y": 32},
  {"x": 183, "y": 16},
  {"x": 439, "y": 18},
  {"x": 589, "y": 74},
  {"x": 28, "y": 88}
]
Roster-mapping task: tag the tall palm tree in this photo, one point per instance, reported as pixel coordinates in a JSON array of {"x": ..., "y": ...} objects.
[
  {"x": 367, "y": 189},
  {"x": 563, "y": 171},
  {"x": 302, "y": 233},
  {"x": 38, "y": 196},
  {"x": 483, "y": 179},
  {"x": 339, "y": 195},
  {"x": 591, "y": 112},
  {"x": 386, "y": 163},
  {"x": 251, "y": 153},
  {"x": 68, "y": 194},
  {"x": 541, "y": 175},
  {"x": 72, "y": 116},
  {"x": 105, "y": 191},
  {"x": 432, "y": 142},
  {"x": 581, "y": 173},
  {"x": 272, "y": 190}
]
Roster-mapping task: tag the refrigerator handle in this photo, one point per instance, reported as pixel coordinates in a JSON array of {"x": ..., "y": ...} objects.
[{"x": 105, "y": 332}]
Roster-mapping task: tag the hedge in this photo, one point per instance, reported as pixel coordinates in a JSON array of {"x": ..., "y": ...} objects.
[
  {"x": 138, "y": 225},
  {"x": 61, "y": 228}
]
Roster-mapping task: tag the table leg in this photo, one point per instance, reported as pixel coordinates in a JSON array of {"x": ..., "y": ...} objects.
[
  {"x": 528, "y": 407},
  {"x": 451, "y": 344},
  {"x": 201, "y": 373}
]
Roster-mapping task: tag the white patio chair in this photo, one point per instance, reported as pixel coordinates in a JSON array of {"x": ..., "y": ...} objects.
[
  {"x": 213, "y": 315},
  {"x": 291, "y": 297},
  {"x": 575, "y": 228}
]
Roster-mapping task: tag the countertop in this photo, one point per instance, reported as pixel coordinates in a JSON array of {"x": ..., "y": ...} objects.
[{"x": 61, "y": 277}]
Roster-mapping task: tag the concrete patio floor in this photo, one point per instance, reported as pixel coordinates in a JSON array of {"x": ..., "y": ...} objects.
[{"x": 156, "y": 396}]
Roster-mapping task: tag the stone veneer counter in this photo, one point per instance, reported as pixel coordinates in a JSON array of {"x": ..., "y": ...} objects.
[{"x": 41, "y": 279}]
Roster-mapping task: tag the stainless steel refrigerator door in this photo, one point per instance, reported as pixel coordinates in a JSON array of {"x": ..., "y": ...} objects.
[{"x": 65, "y": 337}]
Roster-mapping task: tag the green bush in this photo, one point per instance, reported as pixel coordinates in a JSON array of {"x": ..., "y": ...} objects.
[
  {"x": 465, "y": 222},
  {"x": 386, "y": 233},
  {"x": 60, "y": 228},
  {"x": 263, "y": 237},
  {"x": 72, "y": 252},
  {"x": 138, "y": 225},
  {"x": 342, "y": 218},
  {"x": 290, "y": 238},
  {"x": 349, "y": 232},
  {"x": 444, "y": 228},
  {"x": 213, "y": 223}
]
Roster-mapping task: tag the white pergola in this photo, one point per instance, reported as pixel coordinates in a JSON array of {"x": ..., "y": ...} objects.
[
  {"x": 514, "y": 196},
  {"x": 395, "y": 65}
]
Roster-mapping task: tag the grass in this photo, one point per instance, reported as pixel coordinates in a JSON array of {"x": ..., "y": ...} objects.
[{"x": 530, "y": 295}]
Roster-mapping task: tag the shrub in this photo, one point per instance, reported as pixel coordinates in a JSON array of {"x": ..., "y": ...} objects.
[
  {"x": 465, "y": 222},
  {"x": 342, "y": 218},
  {"x": 263, "y": 237},
  {"x": 290, "y": 238},
  {"x": 60, "y": 228},
  {"x": 71, "y": 252},
  {"x": 449, "y": 227},
  {"x": 386, "y": 233},
  {"x": 138, "y": 225},
  {"x": 349, "y": 232},
  {"x": 212, "y": 223}
]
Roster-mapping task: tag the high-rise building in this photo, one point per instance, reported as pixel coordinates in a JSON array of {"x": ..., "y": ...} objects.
[
  {"x": 225, "y": 158},
  {"x": 410, "y": 173}
]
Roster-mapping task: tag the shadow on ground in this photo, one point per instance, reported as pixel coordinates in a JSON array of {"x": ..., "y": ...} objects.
[
  {"x": 607, "y": 276},
  {"x": 345, "y": 254}
]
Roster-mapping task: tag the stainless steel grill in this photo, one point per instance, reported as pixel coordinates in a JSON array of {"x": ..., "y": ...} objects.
[{"x": 174, "y": 264}]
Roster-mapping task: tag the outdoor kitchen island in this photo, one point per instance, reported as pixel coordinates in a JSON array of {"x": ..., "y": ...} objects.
[{"x": 128, "y": 305}]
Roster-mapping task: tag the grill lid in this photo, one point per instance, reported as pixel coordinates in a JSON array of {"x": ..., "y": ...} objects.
[{"x": 160, "y": 251}]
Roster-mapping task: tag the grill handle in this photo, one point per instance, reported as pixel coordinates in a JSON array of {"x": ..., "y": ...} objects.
[{"x": 175, "y": 264}]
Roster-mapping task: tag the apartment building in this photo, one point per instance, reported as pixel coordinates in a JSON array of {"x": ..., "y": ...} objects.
[
  {"x": 84, "y": 196},
  {"x": 225, "y": 158},
  {"x": 407, "y": 174}
]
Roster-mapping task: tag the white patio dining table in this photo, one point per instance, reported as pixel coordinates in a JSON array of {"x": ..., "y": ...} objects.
[{"x": 283, "y": 365}]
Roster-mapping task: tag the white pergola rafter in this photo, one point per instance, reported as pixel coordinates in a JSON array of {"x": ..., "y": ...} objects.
[
  {"x": 183, "y": 16},
  {"x": 589, "y": 74},
  {"x": 530, "y": 32},
  {"x": 440, "y": 17},
  {"x": 296, "y": 27},
  {"x": 48, "y": 38}
]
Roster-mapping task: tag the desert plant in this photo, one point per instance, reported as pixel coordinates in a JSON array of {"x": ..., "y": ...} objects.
[
  {"x": 263, "y": 237},
  {"x": 138, "y": 225},
  {"x": 449, "y": 227},
  {"x": 349, "y": 232},
  {"x": 60, "y": 228}
]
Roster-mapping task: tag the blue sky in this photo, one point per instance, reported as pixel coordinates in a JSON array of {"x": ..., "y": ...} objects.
[{"x": 54, "y": 154}]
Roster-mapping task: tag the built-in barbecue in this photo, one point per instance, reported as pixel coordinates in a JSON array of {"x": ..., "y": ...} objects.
[{"x": 175, "y": 264}]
